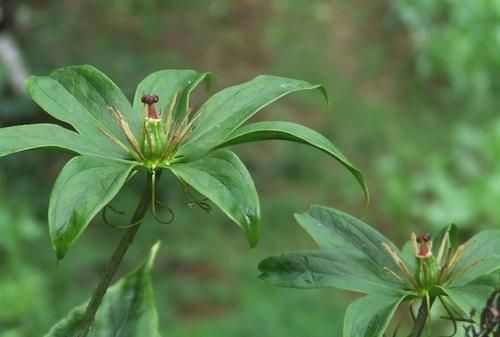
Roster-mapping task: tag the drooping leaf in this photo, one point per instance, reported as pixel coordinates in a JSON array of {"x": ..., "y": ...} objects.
[
  {"x": 127, "y": 310},
  {"x": 80, "y": 96},
  {"x": 82, "y": 189},
  {"x": 470, "y": 297},
  {"x": 295, "y": 133},
  {"x": 340, "y": 268},
  {"x": 223, "y": 179},
  {"x": 228, "y": 109},
  {"x": 481, "y": 257},
  {"x": 166, "y": 84},
  {"x": 369, "y": 316},
  {"x": 332, "y": 229},
  {"x": 25, "y": 137}
]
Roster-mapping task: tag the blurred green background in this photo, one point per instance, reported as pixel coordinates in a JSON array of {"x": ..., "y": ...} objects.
[{"x": 413, "y": 86}]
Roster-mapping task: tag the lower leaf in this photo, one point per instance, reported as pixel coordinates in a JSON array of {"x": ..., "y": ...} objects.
[
  {"x": 370, "y": 316},
  {"x": 82, "y": 189},
  {"x": 224, "y": 179},
  {"x": 128, "y": 309}
]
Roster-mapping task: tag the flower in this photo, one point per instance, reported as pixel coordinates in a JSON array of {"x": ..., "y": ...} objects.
[
  {"x": 354, "y": 256},
  {"x": 114, "y": 139}
]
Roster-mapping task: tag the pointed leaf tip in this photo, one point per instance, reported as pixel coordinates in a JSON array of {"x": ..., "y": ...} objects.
[
  {"x": 208, "y": 79},
  {"x": 60, "y": 253},
  {"x": 253, "y": 236},
  {"x": 324, "y": 92},
  {"x": 152, "y": 253}
]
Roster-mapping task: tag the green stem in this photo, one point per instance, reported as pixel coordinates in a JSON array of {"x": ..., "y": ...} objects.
[
  {"x": 116, "y": 258},
  {"x": 423, "y": 314}
]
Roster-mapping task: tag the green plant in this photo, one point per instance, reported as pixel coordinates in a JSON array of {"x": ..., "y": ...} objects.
[
  {"x": 354, "y": 256},
  {"x": 115, "y": 140}
]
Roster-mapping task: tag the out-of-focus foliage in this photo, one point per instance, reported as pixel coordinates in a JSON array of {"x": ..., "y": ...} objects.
[
  {"x": 23, "y": 285},
  {"x": 458, "y": 41},
  {"x": 462, "y": 187}
]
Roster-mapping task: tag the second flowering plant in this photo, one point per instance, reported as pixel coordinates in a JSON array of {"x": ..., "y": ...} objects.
[{"x": 354, "y": 256}]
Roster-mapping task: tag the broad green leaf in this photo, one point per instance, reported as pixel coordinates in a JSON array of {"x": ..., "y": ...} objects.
[
  {"x": 332, "y": 229},
  {"x": 369, "y": 316},
  {"x": 127, "y": 310},
  {"x": 228, "y": 109},
  {"x": 25, "y": 137},
  {"x": 80, "y": 96},
  {"x": 295, "y": 133},
  {"x": 481, "y": 257},
  {"x": 339, "y": 268},
  {"x": 223, "y": 179},
  {"x": 166, "y": 84},
  {"x": 82, "y": 189},
  {"x": 470, "y": 297}
]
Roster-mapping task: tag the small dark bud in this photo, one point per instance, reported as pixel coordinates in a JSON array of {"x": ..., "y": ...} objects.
[
  {"x": 423, "y": 238},
  {"x": 150, "y": 99}
]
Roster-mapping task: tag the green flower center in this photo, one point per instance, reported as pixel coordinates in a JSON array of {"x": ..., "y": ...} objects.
[
  {"x": 429, "y": 271},
  {"x": 161, "y": 136}
]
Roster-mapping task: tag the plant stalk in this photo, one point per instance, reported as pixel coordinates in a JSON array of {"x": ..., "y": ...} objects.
[
  {"x": 423, "y": 315},
  {"x": 116, "y": 258}
]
